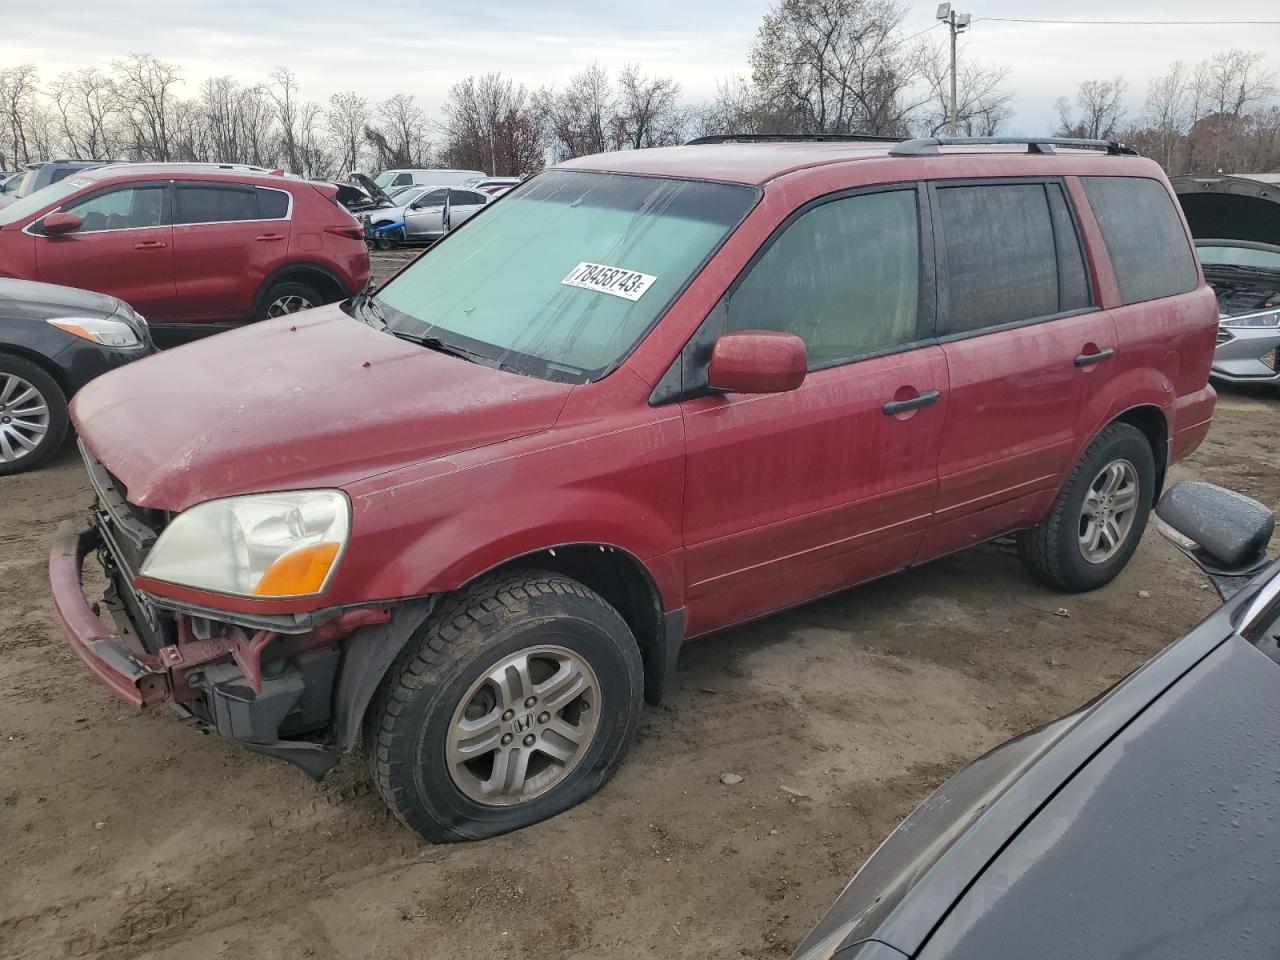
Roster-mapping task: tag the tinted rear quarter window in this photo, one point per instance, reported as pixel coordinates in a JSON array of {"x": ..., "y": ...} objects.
[
  {"x": 1010, "y": 253},
  {"x": 272, "y": 204},
  {"x": 1144, "y": 237}
]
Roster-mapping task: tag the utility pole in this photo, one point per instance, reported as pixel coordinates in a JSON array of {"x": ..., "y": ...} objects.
[{"x": 957, "y": 23}]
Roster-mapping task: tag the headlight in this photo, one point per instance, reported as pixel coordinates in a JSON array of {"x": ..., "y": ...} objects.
[
  {"x": 265, "y": 545},
  {"x": 107, "y": 331},
  {"x": 1255, "y": 320}
]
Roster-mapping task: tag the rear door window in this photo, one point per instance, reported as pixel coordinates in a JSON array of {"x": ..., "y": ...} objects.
[
  {"x": 1009, "y": 253},
  {"x": 215, "y": 204},
  {"x": 1144, "y": 237},
  {"x": 465, "y": 198},
  {"x": 843, "y": 276}
]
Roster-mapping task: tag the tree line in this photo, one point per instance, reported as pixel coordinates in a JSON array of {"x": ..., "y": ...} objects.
[
  {"x": 1219, "y": 115},
  {"x": 815, "y": 66}
]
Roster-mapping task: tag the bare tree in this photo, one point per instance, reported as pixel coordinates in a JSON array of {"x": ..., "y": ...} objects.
[
  {"x": 19, "y": 109},
  {"x": 579, "y": 116},
  {"x": 146, "y": 87},
  {"x": 88, "y": 106},
  {"x": 400, "y": 140},
  {"x": 493, "y": 124},
  {"x": 1102, "y": 110},
  {"x": 347, "y": 118},
  {"x": 1169, "y": 111},
  {"x": 1234, "y": 80},
  {"x": 982, "y": 97},
  {"x": 648, "y": 111},
  {"x": 838, "y": 66}
]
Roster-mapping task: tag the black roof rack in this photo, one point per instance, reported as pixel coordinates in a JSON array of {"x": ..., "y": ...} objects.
[
  {"x": 792, "y": 138},
  {"x": 928, "y": 146}
]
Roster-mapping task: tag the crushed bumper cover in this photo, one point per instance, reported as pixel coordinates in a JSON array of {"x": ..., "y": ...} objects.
[{"x": 121, "y": 664}]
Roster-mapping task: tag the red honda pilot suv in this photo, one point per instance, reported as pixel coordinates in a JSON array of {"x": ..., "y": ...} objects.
[
  {"x": 647, "y": 395},
  {"x": 194, "y": 248}
]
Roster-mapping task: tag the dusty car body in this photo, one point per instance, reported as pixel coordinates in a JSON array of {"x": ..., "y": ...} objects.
[
  {"x": 1236, "y": 224},
  {"x": 587, "y": 430},
  {"x": 1141, "y": 826}
]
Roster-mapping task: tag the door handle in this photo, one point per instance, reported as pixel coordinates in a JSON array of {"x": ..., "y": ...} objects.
[
  {"x": 926, "y": 399},
  {"x": 150, "y": 245},
  {"x": 1089, "y": 359},
  {"x": 269, "y": 236}
]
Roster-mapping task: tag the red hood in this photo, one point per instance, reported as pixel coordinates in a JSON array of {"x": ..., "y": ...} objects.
[{"x": 317, "y": 399}]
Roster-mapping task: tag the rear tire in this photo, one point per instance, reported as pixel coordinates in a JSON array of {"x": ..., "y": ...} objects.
[
  {"x": 1089, "y": 535},
  {"x": 286, "y": 298},
  {"x": 33, "y": 415},
  {"x": 515, "y": 702}
]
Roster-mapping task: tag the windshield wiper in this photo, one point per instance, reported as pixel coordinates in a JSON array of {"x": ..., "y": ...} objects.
[
  {"x": 1231, "y": 269},
  {"x": 440, "y": 346}
]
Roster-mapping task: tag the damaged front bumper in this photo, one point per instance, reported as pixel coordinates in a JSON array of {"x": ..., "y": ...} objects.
[
  {"x": 267, "y": 685},
  {"x": 121, "y": 663}
]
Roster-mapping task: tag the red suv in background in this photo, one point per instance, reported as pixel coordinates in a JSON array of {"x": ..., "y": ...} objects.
[
  {"x": 646, "y": 396},
  {"x": 193, "y": 248}
]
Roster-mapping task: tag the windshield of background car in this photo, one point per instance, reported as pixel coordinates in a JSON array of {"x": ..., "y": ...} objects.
[
  {"x": 565, "y": 275},
  {"x": 1248, "y": 257},
  {"x": 383, "y": 180},
  {"x": 35, "y": 202}
]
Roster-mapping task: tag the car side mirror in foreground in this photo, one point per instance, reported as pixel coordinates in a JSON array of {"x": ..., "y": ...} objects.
[
  {"x": 56, "y": 224},
  {"x": 1224, "y": 532},
  {"x": 758, "y": 361}
]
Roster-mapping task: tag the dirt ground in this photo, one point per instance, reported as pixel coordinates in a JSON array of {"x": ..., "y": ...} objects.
[{"x": 126, "y": 835}]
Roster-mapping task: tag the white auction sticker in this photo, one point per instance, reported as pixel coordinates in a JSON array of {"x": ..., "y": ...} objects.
[{"x": 629, "y": 284}]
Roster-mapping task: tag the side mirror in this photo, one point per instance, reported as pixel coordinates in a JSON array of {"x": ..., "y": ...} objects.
[
  {"x": 758, "y": 361},
  {"x": 58, "y": 223},
  {"x": 1224, "y": 532}
]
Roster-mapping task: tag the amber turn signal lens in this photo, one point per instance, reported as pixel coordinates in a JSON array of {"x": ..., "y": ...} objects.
[{"x": 299, "y": 572}]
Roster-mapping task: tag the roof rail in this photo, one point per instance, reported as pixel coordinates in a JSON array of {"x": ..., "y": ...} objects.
[
  {"x": 928, "y": 146},
  {"x": 792, "y": 138}
]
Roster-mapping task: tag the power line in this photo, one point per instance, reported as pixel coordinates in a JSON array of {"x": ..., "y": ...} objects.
[{"x": 1141, "y": 23}]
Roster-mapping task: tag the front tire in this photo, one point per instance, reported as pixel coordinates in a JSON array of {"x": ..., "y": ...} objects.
[
  {"x": 1099, "y": 516},
  {"x": 517, "y": 701},
  {"x": 33, "y": 415}
]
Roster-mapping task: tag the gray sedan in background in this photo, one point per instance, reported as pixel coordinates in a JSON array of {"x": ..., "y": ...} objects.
[
  {"x": 1246, "y": 277},
  {"x": 1235, "y": 221},
  {"x": 422, "y": 215}
]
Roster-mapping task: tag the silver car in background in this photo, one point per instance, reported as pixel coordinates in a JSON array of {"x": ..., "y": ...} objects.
[
  {"x": 422, "y": 215},
  {"x": 1246, "y": 278},
  {"x": 1235, "y": 221}
]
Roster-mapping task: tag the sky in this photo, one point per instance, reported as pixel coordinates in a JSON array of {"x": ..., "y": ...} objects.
[{"x": 381, "y": 47}]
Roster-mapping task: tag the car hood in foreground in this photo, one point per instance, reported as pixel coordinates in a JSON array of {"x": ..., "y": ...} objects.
[
  {"x": 1164, "y": 846},
  {"x": 309, "y": 400},
  {"x": 939, "y": 862},
  {"x": 27, "y": 300}
]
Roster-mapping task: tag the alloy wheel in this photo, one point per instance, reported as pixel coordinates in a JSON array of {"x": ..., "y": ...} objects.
[
  {"x": 288, "y": 304},
  {"x": 523, "y": 726},
  {"x": 24, "y": 417},
  {"x": 1109, "y": 510}
]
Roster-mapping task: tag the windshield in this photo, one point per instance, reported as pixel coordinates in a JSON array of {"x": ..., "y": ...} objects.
[
  {"x": 35, "y": 202},
  {"x": 565, "y": 275},
  {"x": 383, "y": 180},
  {"x": 1251, "y": 258}
]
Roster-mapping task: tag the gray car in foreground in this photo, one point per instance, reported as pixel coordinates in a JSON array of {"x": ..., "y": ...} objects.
[{"x": 1145, "y": 826}]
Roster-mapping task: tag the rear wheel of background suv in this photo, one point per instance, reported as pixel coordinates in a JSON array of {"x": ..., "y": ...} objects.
[
  {"x": 286, "y": 298},
  {"x": 33, "y": 415},
  {"x": 515, "y": 702},
  {"x": 1099, "y": 516}
]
